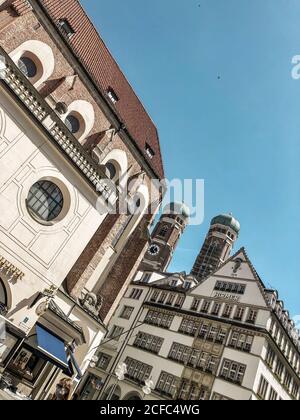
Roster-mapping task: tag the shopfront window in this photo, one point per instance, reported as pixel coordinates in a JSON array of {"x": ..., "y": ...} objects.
[
  {"x": 26, "y": 364},
  {"x": 92, "y": 388}
]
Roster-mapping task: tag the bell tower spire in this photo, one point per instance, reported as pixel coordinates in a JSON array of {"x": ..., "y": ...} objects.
[
  {"x": 223, "y": 233},
  {"x": 165, "y": 237}
]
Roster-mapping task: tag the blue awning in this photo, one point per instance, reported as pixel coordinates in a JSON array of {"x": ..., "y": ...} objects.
[{"x": 52, "y": 346}]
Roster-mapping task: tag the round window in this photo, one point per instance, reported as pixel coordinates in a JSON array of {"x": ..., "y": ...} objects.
[
  {"x": 45, "y": 201},
  {"x": 73, "y": 124},
  {"x": 112, "y": 172},
  {"x": 27, "y": 67}
]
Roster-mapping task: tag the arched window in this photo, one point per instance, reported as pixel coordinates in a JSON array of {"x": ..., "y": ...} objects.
[
  {"x": 35, "y": 60},
  {"x": 163, "y": 231},
  {"x": 80, "y": 119},
  {"x": 3, "y": 295}
]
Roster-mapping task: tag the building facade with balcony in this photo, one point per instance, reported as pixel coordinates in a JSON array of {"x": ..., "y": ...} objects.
[
  {"x": 78, "y": 153},
  {"x": 224, "y": 337}
]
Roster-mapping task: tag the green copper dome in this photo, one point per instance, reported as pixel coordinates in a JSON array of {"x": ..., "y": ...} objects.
[
  {"x": 227, "y": 220},
  {"x": 178, "y": 208}
]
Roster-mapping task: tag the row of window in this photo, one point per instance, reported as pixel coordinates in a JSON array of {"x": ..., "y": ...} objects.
[
  {"x": 33, "y": 67},
  {"x": 191, "y": 391},
  {"x": 282, "y": 373},
  {"x": 195, "y": 358},
  {"x": 204, "y": 330},
  {"x": 203, "y": 306},
  {"x": 227, "y": 287},
  {"x": 149, "y": 342},
  {"x": 232, "y": 371},
  {"x": 265, "y": 392},
  {"x": 241, "y": 341},
  {"x": 169, "y": 299},
  {"x": 169, "y": 385},
  {"x": 173, "y": 387},
  {"x": 285, "y": 345},
  {"x": 224, "y": 310},
  {"x": 159, "y": 319},
  {"x": 137, "y": 371}
]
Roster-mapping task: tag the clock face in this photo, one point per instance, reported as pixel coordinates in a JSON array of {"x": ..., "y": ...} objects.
[{"x": 154, "y": 250}]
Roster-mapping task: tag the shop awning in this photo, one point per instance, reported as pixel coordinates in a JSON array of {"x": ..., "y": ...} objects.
[{"x": 52, "y": 346}]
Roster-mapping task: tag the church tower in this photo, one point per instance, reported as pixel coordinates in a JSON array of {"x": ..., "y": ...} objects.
[
  {"x": 165, "y": 237},
  {"x": 223, "y": 233}
]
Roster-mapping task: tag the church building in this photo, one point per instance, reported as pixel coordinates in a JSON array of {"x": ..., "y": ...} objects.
[{"x": 78, "y": 154}]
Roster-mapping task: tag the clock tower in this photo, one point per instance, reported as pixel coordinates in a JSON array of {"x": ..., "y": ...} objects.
[{"x": 165, "y": 237}]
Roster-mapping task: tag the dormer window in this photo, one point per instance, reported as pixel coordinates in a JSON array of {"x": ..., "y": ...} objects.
[
  {"x": 150, "y": 152},
  {"x": 66, "y": 28},
  {"x": 187, "y": 285},
  {"x": 112, "y": 96}
]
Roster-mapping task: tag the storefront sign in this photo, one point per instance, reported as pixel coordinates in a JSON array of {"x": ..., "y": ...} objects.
[
  {"x": 227, "y": 296},
  {"x": 10, "y": 270}
]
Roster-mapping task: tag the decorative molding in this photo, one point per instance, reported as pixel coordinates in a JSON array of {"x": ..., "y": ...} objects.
[
  {"x": 92, "y": 304},
  {"x": 56, "y": 129},
  {"x": 10, "y": 270}
]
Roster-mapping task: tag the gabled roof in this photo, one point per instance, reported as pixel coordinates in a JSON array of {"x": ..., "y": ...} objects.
[
  {"x": 91, "y": 51},
  {"x": 242, "y": 251}
]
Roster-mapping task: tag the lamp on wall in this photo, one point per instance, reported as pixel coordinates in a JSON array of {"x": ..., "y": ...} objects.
[
  {"x": 120, "y": 373},
  {"x": 148, "y": 388},
  {"x": 94, "y": 361}
]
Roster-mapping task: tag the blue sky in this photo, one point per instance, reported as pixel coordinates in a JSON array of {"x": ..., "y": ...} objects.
[{"x": 215, "y": 76}]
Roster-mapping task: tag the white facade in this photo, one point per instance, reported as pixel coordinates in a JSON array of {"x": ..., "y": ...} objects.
[{"x": 216, "y": 344}]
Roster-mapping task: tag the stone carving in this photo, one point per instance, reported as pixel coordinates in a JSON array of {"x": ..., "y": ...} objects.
[
  {"x": 92, "y": 303},
  {"x": 50, "y": 293},
  {"x": 12, "y": 272}
]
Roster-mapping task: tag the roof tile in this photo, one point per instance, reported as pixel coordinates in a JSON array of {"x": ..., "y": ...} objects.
[{"x": 92, "y": 52}]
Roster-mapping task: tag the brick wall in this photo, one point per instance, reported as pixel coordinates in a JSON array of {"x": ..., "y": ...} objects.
[{"x": 123, "y": 271}]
